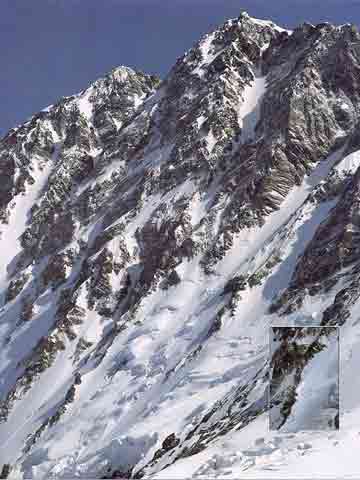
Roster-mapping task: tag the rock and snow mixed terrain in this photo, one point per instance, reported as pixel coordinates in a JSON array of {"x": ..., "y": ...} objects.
[{"x": 152, "y": 231}]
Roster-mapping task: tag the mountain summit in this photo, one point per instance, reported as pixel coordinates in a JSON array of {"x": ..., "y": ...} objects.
[{"x": 153, "y": 231}]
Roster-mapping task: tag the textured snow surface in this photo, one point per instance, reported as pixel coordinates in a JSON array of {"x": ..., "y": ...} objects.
[
  {"x": 268, "y": 23},
  {"x": 10, "y": 233},
  {"x": 84, "y": 104},
  {"x": 259, "y": 454},
  {"x": 250, "y": 108}
]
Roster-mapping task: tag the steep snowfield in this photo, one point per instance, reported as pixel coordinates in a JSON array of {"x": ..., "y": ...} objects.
[
  {"x": 257, "y": 453},
  {"x": 10, "y": 233},
  {"x": 250, "y": 108}
]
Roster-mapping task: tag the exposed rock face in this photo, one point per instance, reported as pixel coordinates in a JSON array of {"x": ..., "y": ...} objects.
[
  {"x": 152, "y": 230},
  {"x": 296, "y": 348},
  {"x": 6, "y": 469}
]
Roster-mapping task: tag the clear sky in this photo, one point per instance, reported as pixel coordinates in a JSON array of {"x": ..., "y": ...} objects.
[{"x": 51, "y": 48}]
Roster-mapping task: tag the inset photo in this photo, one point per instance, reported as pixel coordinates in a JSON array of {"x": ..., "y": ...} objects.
[{"x": 304, "y": 378}]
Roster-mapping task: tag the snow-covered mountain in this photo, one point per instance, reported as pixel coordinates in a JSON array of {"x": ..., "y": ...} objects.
[{"x": 151, "y": 234}]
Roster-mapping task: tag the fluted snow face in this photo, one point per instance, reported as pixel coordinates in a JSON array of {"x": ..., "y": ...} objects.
[{"x": 151, "y": 232}]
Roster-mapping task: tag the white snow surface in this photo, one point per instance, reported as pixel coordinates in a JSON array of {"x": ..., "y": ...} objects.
[
  {"x": 269, "y": 23},
  {"x": 250, "y": 107},
  {"x": 349, "y": 164},
  {"x": 85, "y": 105},
  {"x": 257, "y": 453},
  {"x": 10, "y": 233}
]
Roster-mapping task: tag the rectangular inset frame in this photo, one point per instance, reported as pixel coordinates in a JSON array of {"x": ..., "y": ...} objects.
[{"x": 304, "y": 378}]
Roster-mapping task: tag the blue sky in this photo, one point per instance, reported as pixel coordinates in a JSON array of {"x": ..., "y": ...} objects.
[{"x": 51, "y": 48}]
